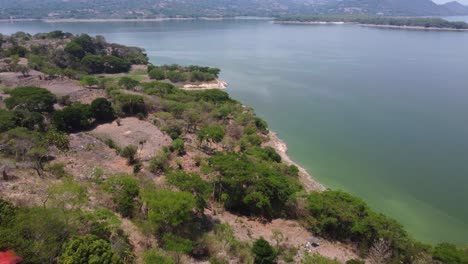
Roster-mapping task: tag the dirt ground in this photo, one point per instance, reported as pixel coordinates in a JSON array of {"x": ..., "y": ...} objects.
[
  {"x": 294, "y": 234},
  {"x": 25, "y": 187},
  {"x": 59, "y": 86},
  {"x": 88, "y": 153},
  {"x": 133, "y": 131}
]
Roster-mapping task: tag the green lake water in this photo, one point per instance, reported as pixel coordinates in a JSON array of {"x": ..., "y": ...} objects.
[{"x": 380, "y": 113}]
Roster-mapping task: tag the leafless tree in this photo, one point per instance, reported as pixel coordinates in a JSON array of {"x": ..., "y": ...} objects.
[{"x": 380, "y": 252}]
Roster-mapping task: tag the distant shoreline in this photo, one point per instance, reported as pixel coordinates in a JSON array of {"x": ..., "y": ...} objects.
[
  {"x": 367, "y": 25},
  {"x": 98, "y": 20}
]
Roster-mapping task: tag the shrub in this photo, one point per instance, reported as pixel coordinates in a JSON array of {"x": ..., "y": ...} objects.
[
  {"x": 17, "y": 51},
  {"x": 261, "y": 125},
  {"x": 175, "y": 76},
  {"x": 124, "y": 190},
  {"x": 88, "y": 249},
  {"x": 7, "y": 212},
  {"x": 157, "y": 74},
  {"x": 213, "y": 133},
  {"x": 130, "y": 104},
  {"x": 33, "y": 99},
  {"x": 341, "y": 216},
  {"x": 177, "y": 245},
  {"x": 89, "y": 80},
  {"x": 129, "y": 153},
  {"x": 154, "y": 256},
  {"x": 7, "y": 120},
  {"x": 102, "y": 110},
  {"x": 128, "y": 83},
  {"x": 73, "y": 118},
  {"x": 178, "y": 146},
  {"x": 263, "y": 252},
  {"x": 159, "y": 163}
]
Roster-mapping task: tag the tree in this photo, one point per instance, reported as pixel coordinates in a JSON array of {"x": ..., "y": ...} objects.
[
  {"x": 113, "y": 64},
  {"x": 88, "y": 249},
  {"x": 86, "y": 42},
  {"x": 37, "y": 234},
  {"x": 124, "y": 190},
  {"x": 128, "y": 83},
  {"x": 168, "y": 209},
  {"x": 102, "y": 110},
  {"x": 7, "y": 120},
  {"x": 263, "y": 252},
  {"x": 31, "y": 98},
  {"x": 130, "y": 104},
  {"x": 380, "y": 252},
  {"x": 449, "y": 254},
  {"x": 72, "y": 118},
  {"x": 93, "y": 64},
  {"x": 75, "y": 49},
  {"x": 192, "y": 183}
]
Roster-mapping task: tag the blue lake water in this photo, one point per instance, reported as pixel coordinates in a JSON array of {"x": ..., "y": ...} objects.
[{"x": 380, "y": 113}]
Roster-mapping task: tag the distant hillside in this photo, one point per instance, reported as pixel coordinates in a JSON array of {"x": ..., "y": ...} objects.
[
  {"x": 219, "y": 8},
  {"x": 456, "y": 8}
]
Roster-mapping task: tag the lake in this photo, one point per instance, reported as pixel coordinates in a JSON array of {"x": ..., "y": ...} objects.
[{"x": 380, "y": 113}]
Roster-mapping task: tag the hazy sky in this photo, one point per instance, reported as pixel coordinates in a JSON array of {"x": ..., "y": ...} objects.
[{"x": 445, "y": 1}]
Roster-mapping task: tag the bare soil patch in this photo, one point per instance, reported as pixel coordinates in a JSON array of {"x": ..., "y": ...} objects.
[
  {"x": 25, "y": 188},
  {"x": 132, "y": 131},
  {"x": 60, "y": 86},
  {"x": 88, "y": 153},
  {"x": 295, "y": 235}
]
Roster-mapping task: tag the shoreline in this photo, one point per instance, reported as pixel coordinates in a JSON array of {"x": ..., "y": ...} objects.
[
  {"x": 310, "y": 183},
  {"x": 368, "y": 25}
]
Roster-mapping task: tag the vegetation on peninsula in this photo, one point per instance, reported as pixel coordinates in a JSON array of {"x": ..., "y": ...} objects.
[{"x": 217, "y": 160}]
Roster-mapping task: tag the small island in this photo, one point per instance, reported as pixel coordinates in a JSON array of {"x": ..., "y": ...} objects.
[{"x": 377, "y": 21}]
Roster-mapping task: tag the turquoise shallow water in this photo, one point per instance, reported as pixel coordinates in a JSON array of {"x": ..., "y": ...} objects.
[{"x": 380, "y": 113}]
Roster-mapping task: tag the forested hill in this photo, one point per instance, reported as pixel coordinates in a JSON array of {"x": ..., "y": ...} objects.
[{"x": 129, "y": 9}]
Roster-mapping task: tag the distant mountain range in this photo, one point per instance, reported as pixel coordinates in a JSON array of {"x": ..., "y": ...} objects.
[{"x": 220, "y": 8}]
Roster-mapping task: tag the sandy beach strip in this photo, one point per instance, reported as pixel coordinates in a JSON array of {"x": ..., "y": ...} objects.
[{"x": 309, "y": 183}]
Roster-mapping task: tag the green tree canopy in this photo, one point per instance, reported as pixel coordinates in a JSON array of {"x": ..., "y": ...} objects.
[
  {"x": 124, "y": 190},
  {"x": 263, "y": 252},
  {"x": 88, "y": 249},
  {"x": 102, "y": 110},
  {"x": 168, "y": 209},
  {"x": 31, "y": 98},
  {"x": 73, "y": 118}
]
